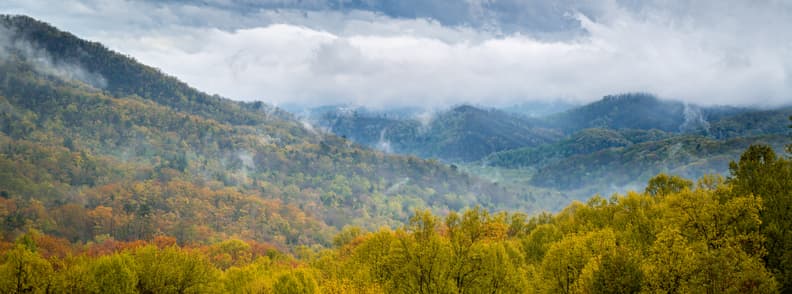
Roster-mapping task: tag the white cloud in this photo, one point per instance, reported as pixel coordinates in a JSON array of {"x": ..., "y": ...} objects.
[{"x": 708, "y": 53}]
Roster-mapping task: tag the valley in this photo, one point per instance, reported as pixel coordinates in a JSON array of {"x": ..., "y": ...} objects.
[{"x": 610, "y": 146}]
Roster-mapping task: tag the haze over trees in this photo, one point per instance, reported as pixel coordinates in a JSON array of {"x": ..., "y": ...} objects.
[{"x": 611, "y": 145}]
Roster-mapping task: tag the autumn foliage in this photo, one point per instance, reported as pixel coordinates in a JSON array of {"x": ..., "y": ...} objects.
[{"x": 676, "y": 237}]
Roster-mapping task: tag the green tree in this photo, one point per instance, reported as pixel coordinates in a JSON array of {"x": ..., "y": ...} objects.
[
  {"x": 296, "y": 282},
  {"x": 373, "y": 254},
  {"x": 463, "y": 233},
  {"x": 664, "y": 184},
  {"x": 570, "y": 263},
  {"x": 256, "y": 277},
  {"x": 347, "y": 234},
  {"x": 501, "y": 269},
  {"x": 760, "y": 172},
  {"x": 173, "y": 270},
  {"x": 75, "y": 276},
  {"x": 619, "y": 272},
  {"x": 536, "y": 244},
  {"x": 24, "y": 271},
  {"x": 418, "y": 261},
  {"x": 114, "y": 274},
  {"x": 721, "y": 231},
  {"x": 671, "y": 264},
  {"x": 230, "y": 252}
]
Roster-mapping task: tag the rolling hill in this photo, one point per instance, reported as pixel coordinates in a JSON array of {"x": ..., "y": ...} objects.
[
  {"x": 613, "y": 144},
  {"x": 463, "y": 133},
  {"x": 640, "y": 111},
  {"x": 94, "y": 144},
  {"x": 617, "y": 159}
]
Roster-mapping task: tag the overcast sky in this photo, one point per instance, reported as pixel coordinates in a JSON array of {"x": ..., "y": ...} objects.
[{"x": 382, "y": 53}]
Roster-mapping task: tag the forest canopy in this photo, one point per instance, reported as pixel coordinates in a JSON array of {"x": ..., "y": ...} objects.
[{"x": 717, "y": 235}]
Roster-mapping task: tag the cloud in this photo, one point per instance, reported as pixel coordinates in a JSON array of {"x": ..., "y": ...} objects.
[
  {"x": 43, "y": 62},
  {"x": 376, "y": 54}
]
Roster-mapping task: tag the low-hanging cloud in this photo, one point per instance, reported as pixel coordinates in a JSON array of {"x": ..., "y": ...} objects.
[
  {"x": 42, "y": 62},
  {"x": 704, "y": 53}
]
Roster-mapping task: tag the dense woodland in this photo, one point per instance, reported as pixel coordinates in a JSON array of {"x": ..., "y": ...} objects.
[
  {"x": 115, "y": 178},
  {"x": 715, "y": 236}
]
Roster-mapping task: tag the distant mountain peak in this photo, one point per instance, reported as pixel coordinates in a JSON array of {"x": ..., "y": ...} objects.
[
  {"x": 466, "y": 108},
  {"x": 631, "y": 97},
  {"x": 623, "y": 111}
]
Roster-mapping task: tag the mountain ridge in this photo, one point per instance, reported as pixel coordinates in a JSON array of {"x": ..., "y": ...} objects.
[
  {"x": 616, "y": 123},
  {"x": 464, "y": 132},
  {"x": 195, "y": 166}
]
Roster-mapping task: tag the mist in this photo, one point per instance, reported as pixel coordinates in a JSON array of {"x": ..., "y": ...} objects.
[
  {"x": 43, "y": 63},
  {"x": 379, "y": 56}
]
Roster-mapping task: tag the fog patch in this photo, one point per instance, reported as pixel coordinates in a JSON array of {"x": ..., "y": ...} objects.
[
  {"x": 677, "y": 151},
  {"x": 694, "y": 120},
  {"x": 425, "y": 119},
  {"x": 42, "y": 62},
  {"x": 308, "y": 126},
  {"x": 395, "y": 187},
  {"x": 247, "y": 159},
  {"x": 383, "y": 144}
]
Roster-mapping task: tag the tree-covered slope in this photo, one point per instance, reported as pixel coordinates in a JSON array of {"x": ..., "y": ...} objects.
[
  {"x": 673, "y": 236},
  {"x": 466, "y": 133},
  {"x": 143, "y": 154},
  {"x": 612, "y": 157},
  {"x": 686, "y": 156},
  {"x": 749, "y": 123},
  {"x": 626, "y": 111},
  {"x": 582, "y": 142},
  {"x": 63, "y": 54},
  {"x": 463, "y": 133}
]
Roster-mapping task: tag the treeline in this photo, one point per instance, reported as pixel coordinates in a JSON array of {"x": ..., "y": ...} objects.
[
  {"x": 38, "y": 263},
  {"x": 714, "y": 236}
]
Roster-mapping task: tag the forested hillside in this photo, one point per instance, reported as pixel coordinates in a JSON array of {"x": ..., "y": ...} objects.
[
  {"x": 604, "y": 160},
  {"x": 584, "y": 142},
  {"x": 638, "y": 111},
  {"x": 96, "y": 145},
  {"x": 611, "y": 145},
  {"x": 715, "y": 236},
  {"x": 463, "y": 133}
]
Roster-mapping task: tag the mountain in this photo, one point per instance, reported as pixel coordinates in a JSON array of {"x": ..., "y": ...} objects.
[
  {"x": 614, "y": 159},
  {"x": 463, "y": 133},
  {"x": 625, "y": 111},
  {"x": 62, "y": 54},
  {"x": 467, "y": 133},
  {"x": 96, "y": 145},
  {"x": 583, "y": 142},
  {"x": 612, "y": 144},
  {"x": 686, "y": 156},
  {"x": 749, "y": 123}
]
